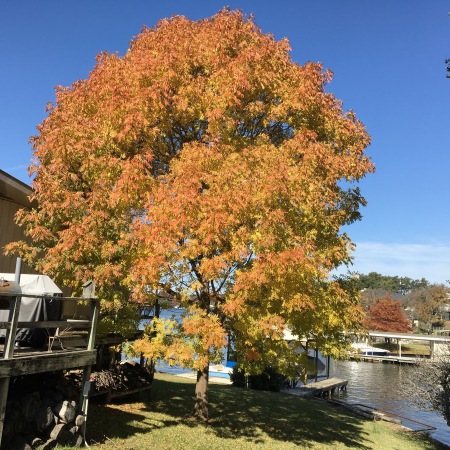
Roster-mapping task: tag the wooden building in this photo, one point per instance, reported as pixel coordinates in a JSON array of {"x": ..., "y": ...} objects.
[{"x": 14, "y": 195}]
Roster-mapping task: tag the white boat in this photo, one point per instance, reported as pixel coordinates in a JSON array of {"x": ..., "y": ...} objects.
[
  {"x": 363, "y": 349},
  {"x": 220, "y": 370}
]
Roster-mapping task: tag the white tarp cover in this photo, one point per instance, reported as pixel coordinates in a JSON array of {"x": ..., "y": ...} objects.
[
  {"x": 34, "y": 284},
  {"x": 34, "y": 309}
]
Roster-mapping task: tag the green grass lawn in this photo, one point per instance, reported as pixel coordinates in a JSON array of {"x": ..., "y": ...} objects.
[
  {"x": 410, "y": 349},
  {"x": 239, "y": 419}
]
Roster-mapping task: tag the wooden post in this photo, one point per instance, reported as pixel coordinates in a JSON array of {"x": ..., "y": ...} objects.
[
  {"x": 89, "y": 289},
  {"x": 18, "y": 270},
  {"x": 95, "y": 307},
  {"x": 13, "y": 319},
  {"x": 316, "y": 362},
  {"x": 8, "y": 353},
  {"x": 95, "y": 311}
]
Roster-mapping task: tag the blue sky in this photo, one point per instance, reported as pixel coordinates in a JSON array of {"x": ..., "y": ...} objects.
[{"x": 388, "y": 63}]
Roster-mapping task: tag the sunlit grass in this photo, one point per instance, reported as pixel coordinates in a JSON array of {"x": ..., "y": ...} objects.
[
  {"x": 239, "y": 419},
  {"x": 410, "y": 349}
]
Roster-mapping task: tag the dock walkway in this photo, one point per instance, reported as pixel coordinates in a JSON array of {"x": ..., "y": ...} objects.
[
  {"x": 388, "y": 359},
  {"x": 324, "y": 388}
]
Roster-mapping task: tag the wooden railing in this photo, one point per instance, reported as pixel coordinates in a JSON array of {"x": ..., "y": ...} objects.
[{"x": 13, "y": 324}]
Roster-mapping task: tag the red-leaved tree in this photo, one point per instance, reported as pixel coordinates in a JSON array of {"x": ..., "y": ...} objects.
[{"x": 388, "y": 315}]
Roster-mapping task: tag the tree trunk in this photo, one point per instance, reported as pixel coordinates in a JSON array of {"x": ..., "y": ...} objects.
[{"x": 201, "y": 395}]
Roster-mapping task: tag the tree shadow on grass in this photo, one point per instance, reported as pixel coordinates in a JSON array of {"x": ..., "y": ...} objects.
[
  {"x": 108, "y": 422},
  {"x": 252, "y": 415},
  {"x": 284, "y": 417}
]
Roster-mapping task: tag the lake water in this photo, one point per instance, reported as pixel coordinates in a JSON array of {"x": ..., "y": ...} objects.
[
  {"x": 382, "y": 386},
  {"x": 377, "y": 385}
]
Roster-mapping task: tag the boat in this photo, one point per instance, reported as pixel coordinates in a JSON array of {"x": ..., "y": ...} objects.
[
  {"x": 362, "y": 349},
  {"x": 221, "y": 370}
]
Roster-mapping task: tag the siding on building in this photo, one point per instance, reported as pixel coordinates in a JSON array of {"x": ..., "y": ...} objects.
[{"x": 13, "y": 196}]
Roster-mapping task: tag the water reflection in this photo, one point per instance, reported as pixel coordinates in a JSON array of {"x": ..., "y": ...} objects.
[{"x": 383, "y": 386}]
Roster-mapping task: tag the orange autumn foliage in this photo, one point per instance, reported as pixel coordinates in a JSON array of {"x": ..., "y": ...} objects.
[
  {"x": 388, "y": 315},
  {"x": 206, "y": 161}
]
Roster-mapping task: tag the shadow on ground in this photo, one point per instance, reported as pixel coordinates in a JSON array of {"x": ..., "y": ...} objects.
[{"x": 234, "y": 413}]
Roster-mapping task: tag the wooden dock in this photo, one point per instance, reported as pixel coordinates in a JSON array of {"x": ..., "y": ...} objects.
[
  {"x": 324, "y": 388},
  {"x": 387, "y": 359}
]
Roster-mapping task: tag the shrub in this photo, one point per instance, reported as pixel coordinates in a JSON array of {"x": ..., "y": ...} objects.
[{"x": 269, "y": 380}]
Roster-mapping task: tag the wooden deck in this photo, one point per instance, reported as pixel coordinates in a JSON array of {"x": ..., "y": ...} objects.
[
  {"x": 44, "y": 361},
  {"x": 324, "y": 388},
  {"x": 17, "y": 361}
]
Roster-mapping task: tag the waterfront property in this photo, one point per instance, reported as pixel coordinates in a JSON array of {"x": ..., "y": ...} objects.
[
  {"x": 366, "y": 352},
  {"x": 437, "y": 344}
]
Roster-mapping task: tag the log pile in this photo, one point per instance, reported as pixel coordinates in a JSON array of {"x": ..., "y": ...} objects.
[
  {"x": 41, "y": 416},
  {"x": 124, "y": 377},
  {"x": 42, "y": 410}
]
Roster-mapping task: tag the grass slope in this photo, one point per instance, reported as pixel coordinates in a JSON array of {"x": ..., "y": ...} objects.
[{"x": 239, "y": 419}]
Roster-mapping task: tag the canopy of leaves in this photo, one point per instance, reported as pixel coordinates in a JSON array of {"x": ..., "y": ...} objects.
[
  {"x": 208, "y": 162},
  {"x": 392, "y": 284},
  {"x": 388, "y": 315}
]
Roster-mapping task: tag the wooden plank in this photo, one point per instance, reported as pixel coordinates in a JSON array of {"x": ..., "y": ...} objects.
[
  {"x": 81, "y": 340},
  {"x": 95, "y": 311},
  {"x": 75, "y": 340},
  {"x": 13, "y": 318},
  {"x": 79, "y": 324},
  {"x": 326, "y": 384},
  {"x": 84, "y": 392},
  {"x": 46, "y": 362},
  {"x": 324, "y": 387},
  {"x": 57, "y": 324}
]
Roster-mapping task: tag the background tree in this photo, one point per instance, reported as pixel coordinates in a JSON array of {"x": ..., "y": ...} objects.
[
  {"x": 427, "y": 303},
  {"x": 207, "y": 162},
  {"x": 370, "y": 297},
  {"x": 388, "y": 315},
  {"x": 387, "y": 283}
]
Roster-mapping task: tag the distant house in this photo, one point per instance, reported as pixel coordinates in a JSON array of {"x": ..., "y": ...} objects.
[{"x": 13, "y": 196}]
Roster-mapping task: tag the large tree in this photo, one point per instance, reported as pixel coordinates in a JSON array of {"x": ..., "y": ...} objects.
[{"x": 206, "y": 162}]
